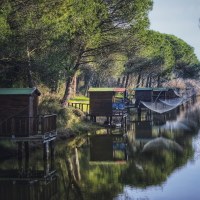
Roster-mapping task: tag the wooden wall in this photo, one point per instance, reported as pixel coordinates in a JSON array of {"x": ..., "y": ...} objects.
[
  {"x": 101, "y": 103},
  {"x": 170, "y": 94},
  {"x": 18, "y": 105},
  {"x": 142, "y": 95},
  {"x": 17, "y": 115},
  {"x": 157, "y": 94}
]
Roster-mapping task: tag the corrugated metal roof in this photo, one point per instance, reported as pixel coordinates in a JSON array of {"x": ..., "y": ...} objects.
[
  {"x": 18, "y": 91},
  {"x": 107, "y": 90}
]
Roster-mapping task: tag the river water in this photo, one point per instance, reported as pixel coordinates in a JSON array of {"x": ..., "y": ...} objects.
[{"x": 115, "y": 164}]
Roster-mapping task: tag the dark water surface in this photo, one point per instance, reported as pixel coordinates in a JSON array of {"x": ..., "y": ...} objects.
[{"x": 113, "y": 164}]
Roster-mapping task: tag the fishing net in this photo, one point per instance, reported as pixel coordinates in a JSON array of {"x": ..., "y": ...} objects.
[
  {"x": 172, "y": 102},
  {"x": 165, "y": 105},
  {"x": 158, "y": 107}
]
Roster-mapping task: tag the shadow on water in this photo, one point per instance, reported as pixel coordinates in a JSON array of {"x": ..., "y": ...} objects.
[{"x": 101, "y": 165}]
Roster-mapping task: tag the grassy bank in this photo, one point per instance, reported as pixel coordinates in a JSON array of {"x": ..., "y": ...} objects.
[{"x": 70, "y": 121}]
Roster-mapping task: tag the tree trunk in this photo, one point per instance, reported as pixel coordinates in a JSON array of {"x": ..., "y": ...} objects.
[
  {"x": 74, "y": 85},
  {"x": 87, "y": 85},
  {"x": 68, "y": 90},
  {"x": 147, "y": 83},
  {"x": 69, "y": 81},
  {"x": 127, "y": 80},
  {"x": 123, "y": 81},
  {"x": 77, "y": 84},
  {"x": 29, "y": 73},
  {"x": 118, "y": 82},
  {"x": 150, "y": 81},
  {"x": 138, "y": 81},
  {"x": 158, "y": 81}
]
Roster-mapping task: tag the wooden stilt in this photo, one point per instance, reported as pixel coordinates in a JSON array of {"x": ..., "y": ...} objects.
[
  {"x": 26, "y": 149},
  {"x": 45, "y": 151},
  {"x": 20, "y": 150}
]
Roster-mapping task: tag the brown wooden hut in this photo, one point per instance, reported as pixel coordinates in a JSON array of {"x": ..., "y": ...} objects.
[
  {"x": 18, "y": 102},
  {"x": 102, "y": 99},
  {"x": 19, "y": 113},
  {"x": 152, "y": 95},
  {"x": 159, "y": 93},
  {"x": 170, "y": 94},
  {"x": 142, "y": 94}
]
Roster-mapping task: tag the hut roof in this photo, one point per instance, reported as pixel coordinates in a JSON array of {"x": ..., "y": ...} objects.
[
  {"x": 107, "y": 90},
  {"x": 160, "y": 89},
  {"x": 146, "y": 88},
  {"x": 19, "y": 91},
  {"x": 150, "y": 88}
]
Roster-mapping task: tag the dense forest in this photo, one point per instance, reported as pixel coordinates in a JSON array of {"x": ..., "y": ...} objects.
[{"x": 76, "y": 44}]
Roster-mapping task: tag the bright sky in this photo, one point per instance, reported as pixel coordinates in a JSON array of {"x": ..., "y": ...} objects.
[{"x": 179, "y": 18}]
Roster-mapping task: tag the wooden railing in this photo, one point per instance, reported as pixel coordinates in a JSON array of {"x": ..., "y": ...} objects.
[
  {"x": 48, "y": 123},
  {"x": 80, "y": 105},
  {"x": 22, "y": 126}
]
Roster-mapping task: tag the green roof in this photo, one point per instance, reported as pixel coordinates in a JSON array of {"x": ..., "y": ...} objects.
[
  {"x": 147, "y": 88},
  {"x": 107, "y": 89},
  {"x": 160, "y": 89},
  {"x": 150, "y": 88},
  {"x": 18, "y": 91}
]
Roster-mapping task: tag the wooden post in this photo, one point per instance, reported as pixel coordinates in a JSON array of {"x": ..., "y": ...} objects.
[
  {"x": 45, "y": 151},
  {"x": 110, "y": 120},
  {"x": 52, "y": 154},
  {"x": 26, "y": 149},
  {"x": 20, "y": 150},
  {"x": 52, "y": 148}
]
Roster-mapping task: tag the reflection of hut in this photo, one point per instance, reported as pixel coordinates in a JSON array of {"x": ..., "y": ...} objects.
[
  {"x": 159, "y": 119},
  {"x": 27, "y": 186},
  {"x": 107, "y": 148},
  {"x": 143, "y": 130},
  {"x": 24, "y": 181}
]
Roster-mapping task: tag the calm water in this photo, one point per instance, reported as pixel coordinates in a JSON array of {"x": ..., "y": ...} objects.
[{"x": 113, "y": 164}]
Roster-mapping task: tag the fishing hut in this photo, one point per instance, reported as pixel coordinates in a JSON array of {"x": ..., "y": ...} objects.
[
  {"x": 142, "y": 94},
  {"x": 159, "y": 93},
  {"x": 20, "y": 121},
  {"x": 108, "y": 102},
  {"x": 152, "y": 95}
]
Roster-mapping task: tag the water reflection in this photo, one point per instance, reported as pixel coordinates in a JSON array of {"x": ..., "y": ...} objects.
[
  {"x": 112, "y": 164},
  {"x": 106, "y": 147},
  {"x": 21, "y": 181}
]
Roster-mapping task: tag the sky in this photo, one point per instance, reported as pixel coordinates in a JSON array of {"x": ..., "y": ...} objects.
[{"x": 179, "y": 18}]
